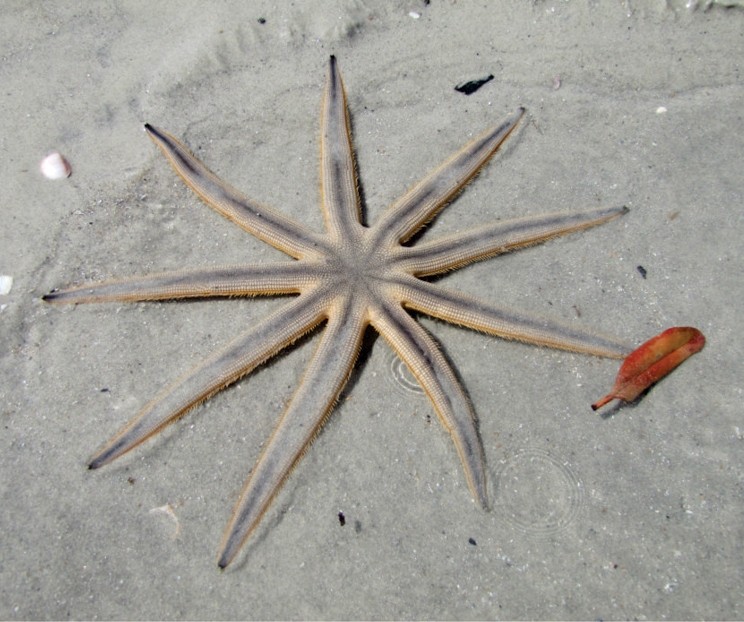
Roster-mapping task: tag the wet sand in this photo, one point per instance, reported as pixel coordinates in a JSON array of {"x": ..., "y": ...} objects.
[{"x": 637, "y": 514}]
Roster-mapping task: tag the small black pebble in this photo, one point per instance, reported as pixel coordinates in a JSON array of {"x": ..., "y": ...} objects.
[
  {"x": 471, "y": 87},
  {"x": 261, "y": 20},
  {"x": 341, "y": 519},
  {"x": 472, "y": 541},
  {"x": 642, "y": 271}
]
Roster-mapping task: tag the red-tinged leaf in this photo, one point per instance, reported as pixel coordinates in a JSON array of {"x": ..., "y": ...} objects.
[{"x": 652, "y": 361}]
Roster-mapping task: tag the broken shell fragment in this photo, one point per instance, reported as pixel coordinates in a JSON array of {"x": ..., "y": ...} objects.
[
  {"x": 55, "y": 166},
  {"x": 6, "y": 282}
]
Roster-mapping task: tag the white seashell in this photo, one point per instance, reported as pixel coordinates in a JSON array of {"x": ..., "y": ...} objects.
[
  {"x": 6, "y": 282},
  {"x": 54, "y": 166}
]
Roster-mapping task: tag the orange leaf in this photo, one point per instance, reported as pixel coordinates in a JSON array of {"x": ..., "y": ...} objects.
[{"x": 652, "y": 361}]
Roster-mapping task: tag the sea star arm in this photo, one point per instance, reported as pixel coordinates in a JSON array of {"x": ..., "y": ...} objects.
[
  {"x": 324, "y": 379},
  {"x": 286, "y": 277},
  {"x": 240, "y": 357},
  {"x": 457, "y": 250},
  {"x": 458, "y": 308},
  {"x": 422, "y": 202},
  {"x": 266, "y": 224},
  {"x": 340, "y": 196},
  {"x": 422, "y": 356}
]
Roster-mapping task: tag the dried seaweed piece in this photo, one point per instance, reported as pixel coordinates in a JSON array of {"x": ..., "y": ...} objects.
[{"x": 471, "y": 87}]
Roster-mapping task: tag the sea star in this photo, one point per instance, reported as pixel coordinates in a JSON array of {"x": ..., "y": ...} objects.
[{"x": 350, "y": 277}]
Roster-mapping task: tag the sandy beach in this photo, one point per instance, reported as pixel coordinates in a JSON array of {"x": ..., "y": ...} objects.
[{"x": 637, "y": 514}]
